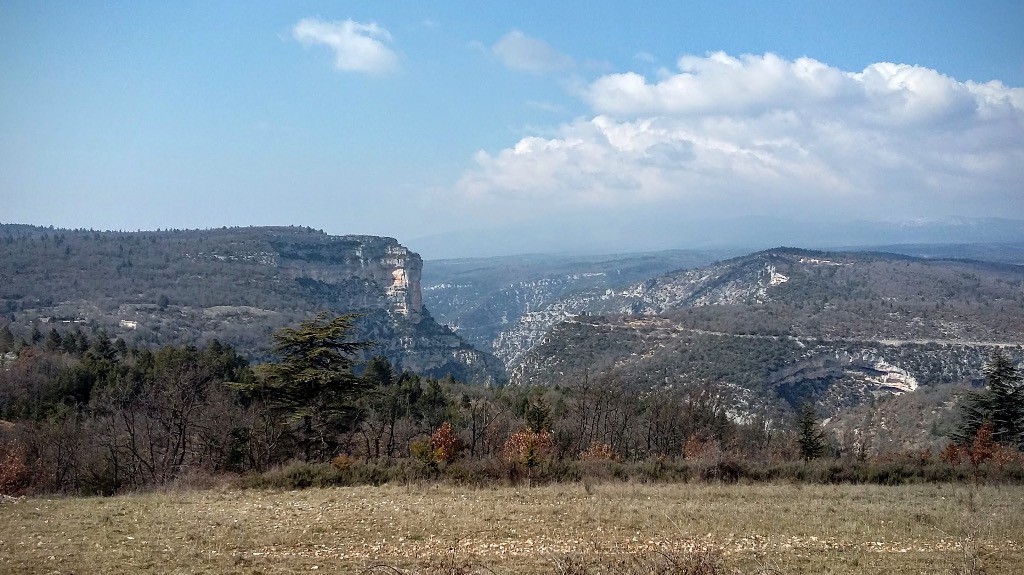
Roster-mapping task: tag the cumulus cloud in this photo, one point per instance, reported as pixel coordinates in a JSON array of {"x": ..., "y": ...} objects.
[
  {"x": 728, "y": 134},
  {"x": 521, "y": 52},
  {"x": 357, "y": 47}
]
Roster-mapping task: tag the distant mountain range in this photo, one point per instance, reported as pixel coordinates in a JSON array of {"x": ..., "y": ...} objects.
[
  {"x": 621, "y": 232},
  {"x": 508, "y": 304}
]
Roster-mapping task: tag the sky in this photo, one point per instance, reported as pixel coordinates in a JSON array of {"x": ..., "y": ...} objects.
[{"x": 475, "y": 128}]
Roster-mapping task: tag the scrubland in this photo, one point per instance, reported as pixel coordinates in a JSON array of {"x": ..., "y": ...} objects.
[{"x": 561, "y": 528}]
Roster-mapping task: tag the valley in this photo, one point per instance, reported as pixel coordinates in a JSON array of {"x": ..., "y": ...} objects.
[
  {"x": 774, "y": 329},
  {"x": 757, "y": 335}
]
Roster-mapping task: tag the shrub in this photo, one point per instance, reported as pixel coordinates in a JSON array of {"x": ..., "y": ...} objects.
[
  {"x": 445, "y": 443},
  {"x": 15, "y": 473},
  {"x": 598, "y": 452},
  {"x": 342, "y": 462}
]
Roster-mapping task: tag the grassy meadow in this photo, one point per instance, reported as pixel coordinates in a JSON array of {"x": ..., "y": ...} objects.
[{"x": 567, "y": 528}]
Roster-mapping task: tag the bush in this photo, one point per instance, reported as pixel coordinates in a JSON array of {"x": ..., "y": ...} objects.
[
  {"x": 887, "y": 469},
  {"x": 15, "y": 473}
]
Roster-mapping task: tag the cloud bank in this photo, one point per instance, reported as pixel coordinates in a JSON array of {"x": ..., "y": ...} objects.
[
  {"x": 357, "y": 47},
  {"x": 760, "y": 133}
]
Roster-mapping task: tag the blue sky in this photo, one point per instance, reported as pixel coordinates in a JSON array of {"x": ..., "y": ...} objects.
[{"x": 422, "y": 119}]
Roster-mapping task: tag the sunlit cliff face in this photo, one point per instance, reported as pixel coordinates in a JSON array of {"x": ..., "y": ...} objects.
[
  {"x": 391, "y": 268},
  {"x": 404, "y": 291}
]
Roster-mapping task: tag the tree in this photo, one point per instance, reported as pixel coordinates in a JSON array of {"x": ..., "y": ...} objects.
[
  {"x": 528, "y": 448},
  {"x": 53, "y": 340},
  {"x": 1001, "y": 404},
  {"x": 382, "y": 406},
  {"x": 445, "y": 443},
  {"x": 537, "y": 414},
  {"x": 313, "y": 384},
  {"x": 6, "y": 339},
  {"x": 810, "y": 437}
]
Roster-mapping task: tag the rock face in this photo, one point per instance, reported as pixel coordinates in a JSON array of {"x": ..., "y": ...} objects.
[
  {"x": 748, "y": 372},
  {"x": 340, "y": 260},
  {"x": 381, "y": 279}
]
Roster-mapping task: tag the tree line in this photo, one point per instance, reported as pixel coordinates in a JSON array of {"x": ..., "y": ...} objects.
[{"x": 85, "y": 413}]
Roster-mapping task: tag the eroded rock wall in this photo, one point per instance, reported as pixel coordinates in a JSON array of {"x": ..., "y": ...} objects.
[{"x": 344, "y": 260}]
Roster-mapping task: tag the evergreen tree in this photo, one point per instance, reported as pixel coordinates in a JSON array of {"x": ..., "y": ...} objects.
[
  {"x": 433, "y": 404},
  {"x": 379, "y": 372},
  {"x": 313, "y": 384},
  {"x": 6, "y": 339},
  {"x": 53, "y": 340},
  {"x": 810, "y": 437},
  {"x": 538, "y": 414},
  {"x": 1001, "y": 404}
]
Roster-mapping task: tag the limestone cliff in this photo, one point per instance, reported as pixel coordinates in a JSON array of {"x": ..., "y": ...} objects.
[
  {"x": 381, "y": 279},
  {"x": 342, "y": 260}
]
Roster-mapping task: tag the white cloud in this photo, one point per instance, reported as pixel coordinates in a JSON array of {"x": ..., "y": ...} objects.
[
  {"x": 521, "y": 52},
  {"x": 761, "y": 133},
  {"x": 357, "y": 47}
]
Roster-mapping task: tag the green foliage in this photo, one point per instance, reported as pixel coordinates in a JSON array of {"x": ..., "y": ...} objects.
[
  {"x": 313, "y": 383},
  {"x": 1001, "y": 404},
  {"x": 379, "y": 372},
  {"x": 809, "y": 434},
  {"x": 537, "y": 414},
  {"x": 6, "y": 339}
]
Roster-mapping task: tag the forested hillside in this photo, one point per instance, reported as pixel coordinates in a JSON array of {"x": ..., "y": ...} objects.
[
  {"x": 724, "y": 371},
  {"x": 236, "y": 285},
  {"x": 871, "y": 296},
  {"x": 770, "y": 331}
]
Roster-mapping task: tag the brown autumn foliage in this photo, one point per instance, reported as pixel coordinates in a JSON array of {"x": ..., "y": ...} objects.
[
  {"x": 527, "y": 447},
  {"x": 15, "y": 473},
  {"x": 445, "y": 443},
  {"x": 598, "y": 452}
]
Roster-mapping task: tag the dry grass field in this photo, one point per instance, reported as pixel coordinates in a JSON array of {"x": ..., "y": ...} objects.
[{"x": 784, "y": 529}]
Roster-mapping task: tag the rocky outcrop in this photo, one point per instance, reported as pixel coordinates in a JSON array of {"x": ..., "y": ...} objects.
[
  {"x": 343, "y": 260},
  {"x": 381, "y": 279}
]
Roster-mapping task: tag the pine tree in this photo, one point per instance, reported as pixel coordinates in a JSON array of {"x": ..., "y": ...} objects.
[
  {"x": 53, "y": 340},
  {"x": 313, "y": 384},
  {"x": 6, "y": 339},
  {"x": 1001, "y": 404},
  {"x": 538, "y": 414},
  {"x": 379, "y": 372},
  {"x": 810, "y": 437}
]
